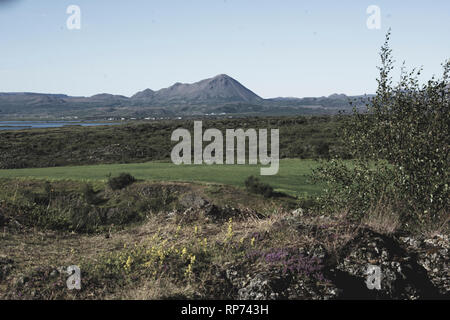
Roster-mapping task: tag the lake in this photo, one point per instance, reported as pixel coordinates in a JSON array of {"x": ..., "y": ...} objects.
[{"x": 22, "y": 125}]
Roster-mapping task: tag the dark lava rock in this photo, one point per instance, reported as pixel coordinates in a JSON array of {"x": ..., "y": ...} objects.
[
  {"x": 213, "y": 213},
  {"x": 402, "y": 277},
  {"x": 226, "y": 212},
  {"x": 193, "y": 200},
  {"x": 433, "y": 256},
  {"x": 260, "y": 286},
  {"x": 277, "y": 283}
]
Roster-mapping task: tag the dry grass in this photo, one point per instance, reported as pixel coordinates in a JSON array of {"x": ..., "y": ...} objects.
[
  {"x": 38, "y": 249},
  {"x": 155, "y": 289},
  {"x": 382, "y": 218},
  {"x": 333, "y": 232}
]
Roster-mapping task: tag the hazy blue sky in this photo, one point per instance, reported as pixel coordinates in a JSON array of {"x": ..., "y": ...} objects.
[{"x": 275, "y": 48}]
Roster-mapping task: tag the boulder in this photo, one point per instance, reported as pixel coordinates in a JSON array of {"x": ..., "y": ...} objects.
[
  {"x": 402, "y": 277},
  {"x": 433, "y": 256}
]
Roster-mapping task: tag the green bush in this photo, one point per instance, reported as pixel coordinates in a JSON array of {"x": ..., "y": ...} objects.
[
  {"x": 402, "y": 147},
  {"x": 355, "y": 186},
  {"x": 90, "y": 195},
  {"x": 254, "y": 185},
  {"x": 120, "y": 182},
  {"x": 86, "y": 218}
]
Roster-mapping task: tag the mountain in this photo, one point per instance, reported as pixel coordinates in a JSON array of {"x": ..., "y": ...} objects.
[
  {"x": 32, "y": 98},
  {"x": 218, "y": 95},
  {"x": 147, "y": 94},
  {"x": 219, "y": 89}
]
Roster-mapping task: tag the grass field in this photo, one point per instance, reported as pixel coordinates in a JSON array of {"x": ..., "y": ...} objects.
[{"x": 292, "y": 178}]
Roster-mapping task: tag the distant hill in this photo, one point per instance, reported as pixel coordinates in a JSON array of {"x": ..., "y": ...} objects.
[
  {"x": 219, "y": 89},
  {"x": 218, "y": 95}
]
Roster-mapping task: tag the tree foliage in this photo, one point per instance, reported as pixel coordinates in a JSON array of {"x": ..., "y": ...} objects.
[{"x": 401, "y": 143}]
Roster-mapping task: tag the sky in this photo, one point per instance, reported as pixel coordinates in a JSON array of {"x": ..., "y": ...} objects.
[{"x": 273, "y": 47}]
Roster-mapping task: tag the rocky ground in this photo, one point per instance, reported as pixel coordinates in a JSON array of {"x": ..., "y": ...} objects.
[
  {"x": 411, "y": 268},
  {"x": 226, "y": 252}
]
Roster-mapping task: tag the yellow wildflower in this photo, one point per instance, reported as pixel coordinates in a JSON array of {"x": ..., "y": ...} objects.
[{"x": 128, "y": 263}]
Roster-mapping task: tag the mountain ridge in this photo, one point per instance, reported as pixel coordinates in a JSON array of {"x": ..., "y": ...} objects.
[{"x": 218, "y": 94}]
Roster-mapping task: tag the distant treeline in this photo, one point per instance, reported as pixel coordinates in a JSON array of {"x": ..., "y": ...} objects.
[{"x": 300, "y": 137}]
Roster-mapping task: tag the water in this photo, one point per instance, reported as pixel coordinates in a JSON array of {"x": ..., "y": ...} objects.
[{"x": 21, "y": 125}]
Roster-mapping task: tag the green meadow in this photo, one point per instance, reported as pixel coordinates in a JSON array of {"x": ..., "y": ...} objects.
[{"x": 293, "y": 177}]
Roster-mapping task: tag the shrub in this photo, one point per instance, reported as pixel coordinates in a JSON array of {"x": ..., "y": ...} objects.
[
  {"x": 402, "y": 146},
  {"x": 120, "y": 182},
  {"x": 355, "y": 186},
  {"x": 90, "y": 195},
  {"x": 86, "y": 218},
  {"x": 254, "y": 185},
  {"x": 382, "y": 218}
]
